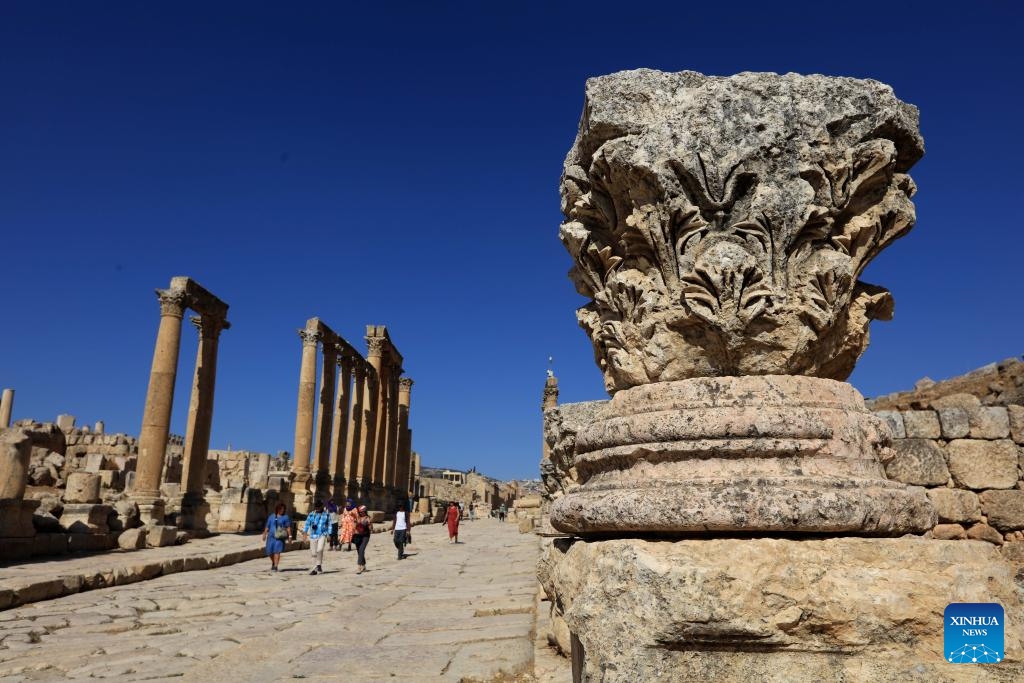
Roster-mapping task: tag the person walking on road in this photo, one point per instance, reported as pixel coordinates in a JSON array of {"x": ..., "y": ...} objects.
[
  {"x": 277, "y": 531},
  {"x": 318, "y": 527},
  {"x": 452, "y": 518},
  {"x": 400, "y": 528},
  {"x": 348, "y": 523},
  {"x": 361, "y": 537},
  {"x": 502, "y": 511},
  {"x": 332, "y": 516}
]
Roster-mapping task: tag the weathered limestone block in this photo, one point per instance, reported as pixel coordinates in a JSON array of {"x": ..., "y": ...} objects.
[
  {"x": 917, "y": 461},
  {"x": 158, "y": 535},
  {"x": 15, "y": 455},
  {"x": 922, "y": 424},
  {"x": 132, "y": 539},
  {"x": 1004, "y": 509},
  {"x": 977, "y": 464},
  {"x": 967, "y": 402},
  {"x": 949, "y": 532},
  {"x": 989, "y": 423},
  {"x": 983, "y": 532},
  {"x": 773, "y": 453},
  {"x": 66, "y": 423},
  {"x": 86, "y": 518},
  {"x": 779, "y": 610},
  {"x": 955, "y": 505},
  {"x": 82, "y": 487},
  {"x": 708, "y": 228},
  {"x": 1015, "y": 415},
  {"x": 955, "y": 423},
  {"x": 895, "y": 420}
]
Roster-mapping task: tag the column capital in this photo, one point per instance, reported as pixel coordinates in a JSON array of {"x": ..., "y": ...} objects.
[
  {"x": 375, "y": 346},
  {"x": 346, "y": 359},
  {"x": 310, "y": 337},
  {"x": 173, "y": 302},
  {"x": 405, "y": 384},
  {"x": 209, "y": 327}
]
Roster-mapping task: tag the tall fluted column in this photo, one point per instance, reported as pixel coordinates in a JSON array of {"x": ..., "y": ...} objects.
[
  {"x": 304, "y": 416},
  {"x": 366, "y": 447},
  {"x": 156, "y": 419},
  {"x": 339, "y": 435},
  {"x": 200, "y": 423},
  {"x": 404, "y": 452},
  {"x": 394, "y": 435},
  {"x": 325, "y": 415},
  {"x": 6, "y": 405},
  {"x": 355, "y": 438}
]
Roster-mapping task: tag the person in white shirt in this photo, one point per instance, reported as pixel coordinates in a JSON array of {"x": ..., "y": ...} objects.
[{"x": 400, "y": 528}]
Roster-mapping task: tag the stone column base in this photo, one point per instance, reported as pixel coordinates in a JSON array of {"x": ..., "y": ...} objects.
[
  {"x": 151, "y": 511},
  {"x": 844, "y": 609},
  {"x": 194, "y": 513},
  {"x": 737, "y": 454}
]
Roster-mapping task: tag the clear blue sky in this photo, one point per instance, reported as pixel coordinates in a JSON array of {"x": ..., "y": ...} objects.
[{"x": 398, "y": 164}]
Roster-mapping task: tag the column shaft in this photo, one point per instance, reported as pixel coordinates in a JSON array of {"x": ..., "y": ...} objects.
[
  {"x": 328, "y": 374},
  {"x": 354, "y": 441},
  {"x": 340, "y": 431},
  {"x": 6, "y": 405},
  {"x": 306, "y": 409},
  {"x": 200, "y": 412},
  {"x": 156, "y": 418},
  {"x": 364, "y": 469}
]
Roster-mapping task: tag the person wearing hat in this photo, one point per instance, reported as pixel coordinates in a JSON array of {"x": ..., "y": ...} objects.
[
  {"x": 317, "y": 529},
  {"x": 361, "y": 537}
]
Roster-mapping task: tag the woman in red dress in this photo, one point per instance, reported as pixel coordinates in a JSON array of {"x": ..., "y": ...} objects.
[{"x": 452, "y": 518}]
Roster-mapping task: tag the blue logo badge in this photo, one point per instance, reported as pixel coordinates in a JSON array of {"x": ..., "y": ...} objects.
[{"x": 973, "y": 632}]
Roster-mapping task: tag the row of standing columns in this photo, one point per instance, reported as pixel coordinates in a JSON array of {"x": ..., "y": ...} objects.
[{"x": 353, "y": 440}]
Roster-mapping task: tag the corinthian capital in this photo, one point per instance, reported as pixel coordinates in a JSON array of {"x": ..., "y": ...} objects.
[
  {"x": 309, "y": 337},
  {"x": 209, "y": 326},
  {"x": 405, "y": 384},
  {"x": 375, "y": 346},
  {"x": 172, "y": 302}
]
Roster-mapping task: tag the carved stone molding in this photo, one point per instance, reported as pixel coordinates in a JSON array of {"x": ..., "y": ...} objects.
[
  {"x": 209, "y": 327},
  {"x": 375, "y": 346},
  {"x": 405, "y": 384}
]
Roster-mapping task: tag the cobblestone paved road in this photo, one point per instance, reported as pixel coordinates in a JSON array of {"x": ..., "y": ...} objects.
[{"x": 448, "y": 612}]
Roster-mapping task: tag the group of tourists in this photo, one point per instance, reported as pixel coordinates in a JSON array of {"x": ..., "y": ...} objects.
[
  {"x": 328, "y": 528},
  {"x": 321, "y": 529}
]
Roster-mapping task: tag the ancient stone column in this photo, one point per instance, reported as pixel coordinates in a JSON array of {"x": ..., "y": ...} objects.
[
  {"x": 364, "y": 469},
  {"x": 156, "y": 418},
  {"x": 404, "y": 450},
  {"x": 376, "y": 464},
  {"x": 390, "y": 459},
  {"x": 325, "y": 416},
  {"x": 16, "y": 528},
  {"x": 355, "y": 438},
  {"x": 339, "y": 434},
  {"x": 304, "y": 416},
  {"x": 200, "y": 423},
  {"x": 6, "y": 406}
]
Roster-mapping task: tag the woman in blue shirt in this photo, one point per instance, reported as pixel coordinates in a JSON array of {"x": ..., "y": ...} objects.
[{"x": 277, "y": 531}]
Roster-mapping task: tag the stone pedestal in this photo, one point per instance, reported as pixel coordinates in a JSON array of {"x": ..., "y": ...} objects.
[
  {"x": 194, "y": 511},
  {"x": 844, "y": 609},
  {"x": 737, "y": 454},
  {"x": 17, "y": 532},
  {"x": 86, "y": 518},
  {"x": 151, "y": 510}
]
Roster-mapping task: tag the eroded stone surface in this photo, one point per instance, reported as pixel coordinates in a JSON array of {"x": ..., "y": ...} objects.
[
  {"x": 720, "y": 225},
  {"x": 773, "y": 610},
  {"x": 917, "y": 461},
  {"x": 1004, "y": 509},
  {"x": 977, "y": 464},
  {"x": 955, "y": 505}
]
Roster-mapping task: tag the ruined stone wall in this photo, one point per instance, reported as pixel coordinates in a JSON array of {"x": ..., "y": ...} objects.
[
  {"x": 233, "y": 469},
  {"x": 970, "y": 457}
]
